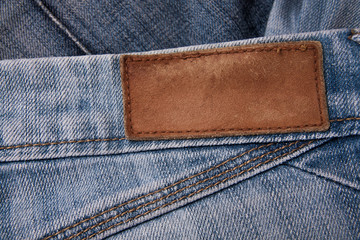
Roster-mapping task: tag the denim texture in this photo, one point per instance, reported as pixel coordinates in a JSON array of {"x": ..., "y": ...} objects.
[
  {"x": 27, "y": 32},
  {"x": 80, "y": 98},
  {"x": 124, "y": 26},
  {"x": 299, "y": 16},
  {"x": 67, "y": 171}
]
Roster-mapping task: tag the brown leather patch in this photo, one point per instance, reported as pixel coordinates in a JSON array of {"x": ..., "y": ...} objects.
[{"x": 257, "y": 89}]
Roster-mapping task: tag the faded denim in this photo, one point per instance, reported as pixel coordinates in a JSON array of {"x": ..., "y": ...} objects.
[{"x": 67, "y": 172}]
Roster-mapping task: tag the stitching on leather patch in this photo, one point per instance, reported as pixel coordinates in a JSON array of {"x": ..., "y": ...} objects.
[
  {"x": 112, "y": 139},
  {"x": 155, "y": 110}
]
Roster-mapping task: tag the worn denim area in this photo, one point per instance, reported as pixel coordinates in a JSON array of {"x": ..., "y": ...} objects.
[
  {"x": 79, "y": 99},
  {"x": 123, "y": 26},
  {"x": 308, "y": 15},
  {"x": 67, "y": 171},
  {"x": 65, "y": 159}
]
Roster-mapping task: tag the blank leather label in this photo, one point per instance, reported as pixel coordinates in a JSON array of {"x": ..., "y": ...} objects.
[{"x": 256, "y": 89}]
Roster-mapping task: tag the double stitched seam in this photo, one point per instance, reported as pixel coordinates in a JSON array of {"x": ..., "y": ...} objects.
[
  {"x": 160, "y": 190},
  {"x": 189, "y": 186},
  {"x": 114, "y": 139},
  {"x": 177, "y": 191},
  {"x": 204, "y": 188},
  {"x": 302, "y": 48}
]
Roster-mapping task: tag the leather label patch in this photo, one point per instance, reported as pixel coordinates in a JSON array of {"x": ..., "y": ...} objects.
[{"x": 256, "y": 89}]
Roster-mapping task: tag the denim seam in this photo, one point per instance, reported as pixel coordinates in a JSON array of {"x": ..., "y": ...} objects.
[
  {"x": 85, "y": 26},
  {"x": 345, "y": 119},
  {"x": 57, "y": 22},
  {"x": 199, "y": 190},
  {"x": 302, "y": 48},
  {"x": 323, "y": 177},
  {"x": 113, "y": 139},
  {"x": 182, "y": 189},
  {"x": 62, "y": 142},
  {"x": 162, "y": 189},
  {"x": 230, "y": 51}
]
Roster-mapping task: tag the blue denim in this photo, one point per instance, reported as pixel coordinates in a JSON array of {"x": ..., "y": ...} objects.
[
  {"x": 35, "y": 28},
  {"x": 297, "y": 16},
  {"x": 67, "y": 171}
]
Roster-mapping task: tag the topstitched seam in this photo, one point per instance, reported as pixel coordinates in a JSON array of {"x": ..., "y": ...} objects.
[
  {"x": 182, "y": 189},
  {"x": 345, "y": 119},
  {"x": 198, "y": 191},
  {"x": 62, "y": 142},
  {"x": 199, "y": 55},
  {"x": 317, "y": 86},
  {"x": 57, "y": 22},
  {"x": 186, "y": 56},
  {"x": 128, "y": 102},
  {"x": 231, "y": 129},
  {"x": 113, "y": 139},
  {"x": 162, "y": 189}
]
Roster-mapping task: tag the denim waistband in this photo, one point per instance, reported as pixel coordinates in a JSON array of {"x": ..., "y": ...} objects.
[{"x": 72, "y": 106}]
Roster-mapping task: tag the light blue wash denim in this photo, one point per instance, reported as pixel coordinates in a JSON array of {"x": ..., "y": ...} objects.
[{"x": 67, "y": 171}]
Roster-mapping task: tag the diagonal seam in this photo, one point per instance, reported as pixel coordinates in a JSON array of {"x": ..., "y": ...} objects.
[
  {"x": 198, "y": 191},
  {"x": 47, "y": 11},
  {"x": 348, "y": 185},
  {"x": 159, "y": 190},
  {"x": 182, "y": 189}
]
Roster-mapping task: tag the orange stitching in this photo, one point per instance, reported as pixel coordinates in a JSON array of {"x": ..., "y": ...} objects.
[
  {"x": 198, "y": 191},
  {"x": 180, "y": 190},
  {"x": 116, "y": 139},
  {"x": 317, "y": 85},
  {"x": 128, "y": 102},
  {"x": 62, "y": 142},
  {"x": 230, "y": 129},
  {"x": 159, "y": 190},
  {"x": 186, "y": 56},
  {"x": 199, "y": 55},
  {"x": 345, "y": 119}
]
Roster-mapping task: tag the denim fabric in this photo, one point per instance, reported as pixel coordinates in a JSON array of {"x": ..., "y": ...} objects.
[
  {"x": 123, "y": 26},
  {"x": 308, "y": 15},
  {"x": 26, "y": 32},
  {"x": 68, "y": 112},
  {"x": 67, "y": 171}
]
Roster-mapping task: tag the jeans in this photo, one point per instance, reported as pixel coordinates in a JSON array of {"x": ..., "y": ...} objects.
[{"x": 67, "y": 170}]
